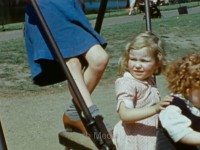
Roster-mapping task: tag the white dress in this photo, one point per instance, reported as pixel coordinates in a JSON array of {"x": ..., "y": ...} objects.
[{"x": 140, "y": 135}]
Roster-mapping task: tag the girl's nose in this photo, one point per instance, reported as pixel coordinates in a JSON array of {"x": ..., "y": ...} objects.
[{"x": 137, "y": 65}]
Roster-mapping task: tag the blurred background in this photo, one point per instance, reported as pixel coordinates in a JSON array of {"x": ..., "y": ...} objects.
[{"x": 12, "y": 11}]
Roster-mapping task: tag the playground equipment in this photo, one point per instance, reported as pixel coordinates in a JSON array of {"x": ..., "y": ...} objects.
[
  {"x": 96, "y": 129},
  {"x": 94, "y": 126},
  {"x": 3, "y": 145},
  {"x": 147, "y": 15},
  {"x": 154, "y": 11}
]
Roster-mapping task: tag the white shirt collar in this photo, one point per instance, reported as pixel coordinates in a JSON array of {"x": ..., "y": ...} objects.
[
  {"x": 193, "y": 109},
  {"x": 129, "y": 75}
]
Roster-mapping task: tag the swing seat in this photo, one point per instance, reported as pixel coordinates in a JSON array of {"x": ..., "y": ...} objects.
[{"x": 74, "y": 140}]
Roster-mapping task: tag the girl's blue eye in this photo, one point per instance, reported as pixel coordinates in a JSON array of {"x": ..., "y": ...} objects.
[
  {"x": 145, "y": 60},
  {"x": 133, "y": 59}
]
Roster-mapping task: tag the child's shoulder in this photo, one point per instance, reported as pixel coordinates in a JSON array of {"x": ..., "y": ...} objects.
[{"x": 126, "y": 77}]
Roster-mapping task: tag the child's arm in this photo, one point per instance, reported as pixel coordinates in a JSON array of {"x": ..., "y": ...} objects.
[
  {"x": 178, "y": 126},
  {"x": 136, "y": 114},
  {"x": 192, "y": 138}
]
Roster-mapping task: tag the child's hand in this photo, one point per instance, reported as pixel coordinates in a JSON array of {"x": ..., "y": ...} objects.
[{"x": 162, "y": 104}]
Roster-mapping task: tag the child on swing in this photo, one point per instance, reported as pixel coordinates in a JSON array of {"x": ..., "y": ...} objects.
[
  {"x": 179, "y": 126},
  {"x": 138, "y": 100},
  {"x": 81, "y": 47}
]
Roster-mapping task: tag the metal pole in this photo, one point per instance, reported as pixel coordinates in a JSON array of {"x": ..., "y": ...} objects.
[
  {"x": 100, "y": 16},
  {"x": 148, "y": 20},
  {"x": 3, "y": 145},
  {"x": 147, "y": 15},
  {"x": 77, "y": 97}
]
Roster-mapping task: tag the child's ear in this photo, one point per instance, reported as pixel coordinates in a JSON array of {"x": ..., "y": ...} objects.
[
  {"x": 187, "y": 93},
  {"x": 157, "y": 69},
  {"x": 127, "y": 47}
]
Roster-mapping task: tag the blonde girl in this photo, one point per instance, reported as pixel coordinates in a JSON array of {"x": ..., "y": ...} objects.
[{"x": 138, "y": 100}]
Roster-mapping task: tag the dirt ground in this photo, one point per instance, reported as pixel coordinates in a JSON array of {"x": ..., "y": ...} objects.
[{"x": 33, "y": 121}]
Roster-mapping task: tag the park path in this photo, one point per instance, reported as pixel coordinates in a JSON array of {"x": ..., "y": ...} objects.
[{"x": 126, "y": 19}]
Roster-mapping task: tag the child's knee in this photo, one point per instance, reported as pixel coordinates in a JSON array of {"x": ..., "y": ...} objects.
[
  {"x": 97, "y": 58},
  {"x": 100, "y": 61},
  {"x": 74, "y": 63}
]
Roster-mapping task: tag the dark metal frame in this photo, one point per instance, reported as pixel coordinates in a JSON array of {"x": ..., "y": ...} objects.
[
  {"x": 147, "y": 15},
  {"x": 3, "y": 145}
]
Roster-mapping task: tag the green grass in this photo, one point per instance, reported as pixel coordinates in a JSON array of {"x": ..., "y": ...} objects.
[
  {"x": 181, "y": 35},
  {"x": 10, "y": 27},
  {"x": 175, "y": 6}
]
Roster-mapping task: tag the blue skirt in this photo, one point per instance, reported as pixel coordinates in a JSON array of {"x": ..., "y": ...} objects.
[{"x": 71, "y": 31}]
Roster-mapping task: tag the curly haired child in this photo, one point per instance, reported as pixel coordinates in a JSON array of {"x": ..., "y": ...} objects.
[
  {"x": 138, "y": 100},
  {"x": 179, "y": 126}
]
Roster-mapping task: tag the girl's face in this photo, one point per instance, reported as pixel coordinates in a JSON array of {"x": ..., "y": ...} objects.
[
  {"x": 141, "y": 64},
  {"x": 194, "y": 97}
]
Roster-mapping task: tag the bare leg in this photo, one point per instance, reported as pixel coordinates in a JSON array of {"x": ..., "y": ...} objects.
[
  {"x": 130, "y": 11},
  {"x": 75, "y": 68},
  {"x": 86, "y": 81},
  {"x": 97, "y": 60}
]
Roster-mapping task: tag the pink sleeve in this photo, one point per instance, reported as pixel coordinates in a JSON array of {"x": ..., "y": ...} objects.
[{"x": 125, "y": 92}]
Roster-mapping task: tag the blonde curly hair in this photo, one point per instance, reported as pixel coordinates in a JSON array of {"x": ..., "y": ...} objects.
[
  {"x": 183, "y": 75},
  {"x": 156, "y": 50}
]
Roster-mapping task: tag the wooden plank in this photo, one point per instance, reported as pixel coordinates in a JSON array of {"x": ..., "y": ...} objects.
[{"x": 76, "y": 141}]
